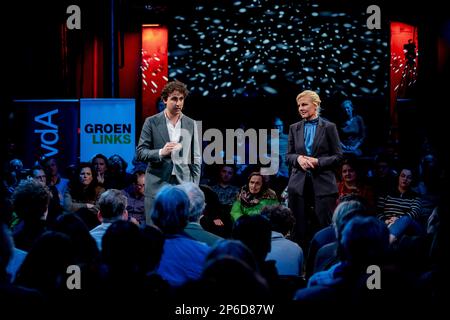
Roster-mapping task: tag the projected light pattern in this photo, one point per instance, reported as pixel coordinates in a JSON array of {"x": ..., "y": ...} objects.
[
  {"x": 255, "y": 48},
  {"x": 407, "y": 73}
]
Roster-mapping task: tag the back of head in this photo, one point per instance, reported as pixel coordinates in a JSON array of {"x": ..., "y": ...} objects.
[
  {"x": 31, "y": 200},
  {"x": 364, "y": 242},
  {"x": 171, "y": 209},
  {"x": 255, "y": 232},
  {"x": 344, "y": 212},
  {"x": 45, "y": 266},
  {"x": 84, "y": 245},
  {"x": 70, "y": 224},
  {"x": 229, "y": 279},
  {"x": 121, "y": 246},
  {"x": 212, "y": 202},
  {"x": 153, "y": 245},
  {"x": 15, "y": 165},
  {"x": 232, "y": 248},
  {"x": 196, "y": 200},
  {"x": 281, "y": 218},
  {"x": 112, "y": 204}
]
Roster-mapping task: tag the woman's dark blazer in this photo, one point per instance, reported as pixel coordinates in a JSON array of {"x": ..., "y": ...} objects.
[{"x": 326, "y": 148}]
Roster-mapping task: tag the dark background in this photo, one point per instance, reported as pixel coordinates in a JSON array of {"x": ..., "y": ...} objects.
[{"x": 41, "y": 59}]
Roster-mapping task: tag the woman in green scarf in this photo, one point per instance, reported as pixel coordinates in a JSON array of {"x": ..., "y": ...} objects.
[{"x": 253, "y": 197}]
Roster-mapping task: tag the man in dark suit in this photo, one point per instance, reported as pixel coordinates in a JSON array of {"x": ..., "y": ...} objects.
[
  {"x": 169, "y": 144},
  {"x": 314, "y": 150}
]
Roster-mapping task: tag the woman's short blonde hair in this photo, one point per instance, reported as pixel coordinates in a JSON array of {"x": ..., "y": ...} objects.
[{"x": 314, "y": 98}]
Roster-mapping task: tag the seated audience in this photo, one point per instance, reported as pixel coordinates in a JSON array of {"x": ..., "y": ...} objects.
[
  {"x": 327, "y": 254},
  {"x": 328, "y": 235},
  {"x": 364, "y": 242}
]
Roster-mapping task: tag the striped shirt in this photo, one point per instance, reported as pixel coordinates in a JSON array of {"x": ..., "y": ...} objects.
[{"x": 399, "y": 204}]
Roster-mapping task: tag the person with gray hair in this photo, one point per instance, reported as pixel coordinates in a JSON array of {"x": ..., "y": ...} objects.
[
  {"x": 327, "y": 255},
  {"x": 113, "y": 206},
  {"x": 183, "y": 258},
  {"x": 364, "y": 242},
  {"x": 196, "y": 207}
]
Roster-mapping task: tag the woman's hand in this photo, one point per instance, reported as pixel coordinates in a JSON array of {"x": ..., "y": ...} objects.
[
  {"x": 307, "y": 163},
  {"x": 304, "y": 163},
  {"x": 390, "y": 221}
]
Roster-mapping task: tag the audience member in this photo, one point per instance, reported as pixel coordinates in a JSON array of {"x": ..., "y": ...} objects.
[
  {"x": 54, "y": 208},
  {"x": 31, "y": 201},
  {"x": 112, "y": 207},
  {"x": 353, "y": 132},
  {"x": 401, "y": 208},
  {"x": 54, "y": 178},
  {"x": 19, "y": 300},
  {"x": 12, "y": 177},
  {"x": 382, "y": 177},
  {"x": 119, "y": 178},
  {"x": 85, "y": 248},
  {"x": 83, "y": 193},
  {"x": 196, "y": 207},
  {"x": 364, "y": 242},
  {"x": 327, "y": 255},
  {"x": 183, "y": 258},
  {"x": 100, "y": 163},
  {"x": 349, "y": 206},
  {"x": 215, "y": 218},
  {"x": 287, "y": 254},
  {"x": 45, "y": 266},
  {"x": 352, "y": 183},
  {"x": 253, "y": 197},
  {"x": 135, "y": 196},
  {"x": 226, "y": 192}
]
